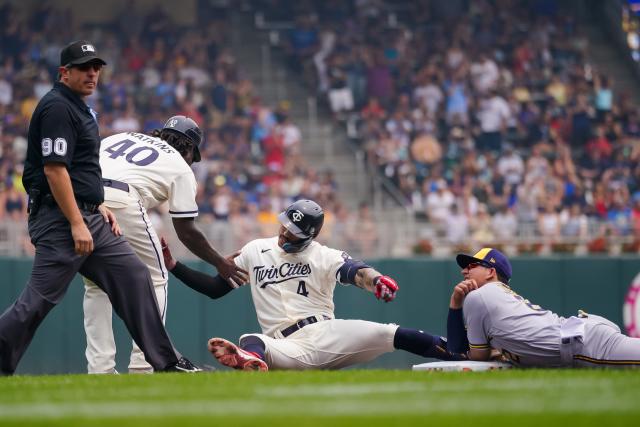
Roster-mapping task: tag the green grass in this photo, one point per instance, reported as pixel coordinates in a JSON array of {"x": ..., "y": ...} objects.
[{"x": 343, "y": 398}]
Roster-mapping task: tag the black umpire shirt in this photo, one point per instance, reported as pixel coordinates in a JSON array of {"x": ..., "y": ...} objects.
[{"x": 63, "y": 129}]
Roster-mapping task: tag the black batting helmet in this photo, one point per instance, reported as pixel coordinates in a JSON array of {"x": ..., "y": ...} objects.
[
  {"x": 188, "y": 128},
  {"x": 304, "y": 220}
]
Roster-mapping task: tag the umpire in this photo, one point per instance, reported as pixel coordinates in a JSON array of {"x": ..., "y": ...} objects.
[{"x": 71, "y": 230}]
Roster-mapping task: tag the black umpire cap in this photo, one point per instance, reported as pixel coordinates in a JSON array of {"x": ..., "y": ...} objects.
[{"x": 79, "y": 52}]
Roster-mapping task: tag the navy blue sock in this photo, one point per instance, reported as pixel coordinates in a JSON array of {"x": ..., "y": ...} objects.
[
  {"x": 424, "y": 344},
  {"x": 254, "y": 345}
]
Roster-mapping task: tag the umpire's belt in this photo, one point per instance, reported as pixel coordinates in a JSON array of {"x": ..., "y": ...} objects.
[
  {"x": 48, "y": 200},
  {"x": 118, "y": 185},
  {"x": 302, "y": 323}
]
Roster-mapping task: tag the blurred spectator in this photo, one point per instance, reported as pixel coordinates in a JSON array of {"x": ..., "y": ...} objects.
[
  {"x": 549, "y": 223},
  {"x": 511, "y": 166},
  {"x": 327, "y": 43},
  {"x": 481, "y": 230},
  {"x": 13, "y": 203},
  {"x": 574, "y": 223},
  {"x": 484, "y": 73},
  {"x": 242, "y": 219},
  {"x": 457, "y": 225},
  {"x": 439, "y": 202},
  {"x": 603, "y": 97},
  {"x": 504, "y": 225},
  {"x": 494, "y": 114},
  {"x": 363, "y": 232}
]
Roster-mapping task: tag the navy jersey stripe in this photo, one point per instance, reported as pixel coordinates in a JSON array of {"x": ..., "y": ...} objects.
[{"x": 182, "y": 212}]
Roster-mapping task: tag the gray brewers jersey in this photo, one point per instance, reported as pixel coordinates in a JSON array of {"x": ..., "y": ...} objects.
[
  {"x": 289, "y": 287},
  {"x": 497, "y": 317},
  {"x": 154, "y": 169}
]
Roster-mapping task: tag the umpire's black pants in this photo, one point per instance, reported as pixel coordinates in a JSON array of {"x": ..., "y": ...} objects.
[{"x": 112, "y": 265}]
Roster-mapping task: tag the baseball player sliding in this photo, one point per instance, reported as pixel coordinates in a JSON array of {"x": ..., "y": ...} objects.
[
  {"x": 141, "y": 172},
  {"x": 526, "y": 334},
  {"x": 292, "y": 278}
]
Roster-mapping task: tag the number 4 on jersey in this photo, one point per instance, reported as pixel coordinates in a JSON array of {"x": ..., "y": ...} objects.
[{"x": 302, "y": 289}]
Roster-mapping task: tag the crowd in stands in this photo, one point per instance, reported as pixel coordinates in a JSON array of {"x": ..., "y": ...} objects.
[
  {"x": 251, "y": 164},
  {"x": 486, "y": 115}
]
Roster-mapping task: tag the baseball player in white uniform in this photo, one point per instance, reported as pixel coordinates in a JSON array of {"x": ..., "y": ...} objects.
[
  {"x": 498, "y": 318},
  {"x": 292, "y": 278},
  {"x": 141, "y": 172}
]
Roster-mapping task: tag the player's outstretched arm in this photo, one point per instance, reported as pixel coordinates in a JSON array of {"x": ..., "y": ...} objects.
[
  {"x": 198, "y": 244},
  {"x": 213, "y": 287}
]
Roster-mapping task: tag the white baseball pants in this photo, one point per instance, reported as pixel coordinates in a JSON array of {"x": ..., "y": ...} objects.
[
  {"x": 138, "y": 230},
  {"x": 329, "y": 344}
]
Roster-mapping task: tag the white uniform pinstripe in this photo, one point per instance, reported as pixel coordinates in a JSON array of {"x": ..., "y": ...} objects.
[
  {"x": 287, "y": 288},
  {"x": 155, "y": 173}
]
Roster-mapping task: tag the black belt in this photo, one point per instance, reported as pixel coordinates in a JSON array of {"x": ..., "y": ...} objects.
[
  {"x": 301, "y": 324},
  {"x": 49, "y": 200},
  {"x": 118, "y": 185}
]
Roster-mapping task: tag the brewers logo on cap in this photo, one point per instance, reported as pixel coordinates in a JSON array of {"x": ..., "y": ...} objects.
[{"x": 489, "y": 257}]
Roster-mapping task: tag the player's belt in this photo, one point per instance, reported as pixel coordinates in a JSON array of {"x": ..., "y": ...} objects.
[
  {"x": 301, "y": 324},
  {"x": 118, "y": 185}
]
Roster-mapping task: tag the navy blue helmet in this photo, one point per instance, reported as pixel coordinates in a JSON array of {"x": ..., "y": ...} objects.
[
  {"x": 188, "y": 128},
  {"x": 304, "y": 220}
]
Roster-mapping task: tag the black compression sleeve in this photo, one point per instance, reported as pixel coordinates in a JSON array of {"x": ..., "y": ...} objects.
[
  {"x": 457, "y": 341},
  {"x": 213, "y": 287}
]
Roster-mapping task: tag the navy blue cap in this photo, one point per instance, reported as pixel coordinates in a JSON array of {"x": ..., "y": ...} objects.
[{"x": 489, "y": 257}]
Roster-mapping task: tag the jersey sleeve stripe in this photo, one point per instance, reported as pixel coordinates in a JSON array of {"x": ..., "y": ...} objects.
[
  {"x": 183, "y": 212},
  {"x": 479, "y": 346}
]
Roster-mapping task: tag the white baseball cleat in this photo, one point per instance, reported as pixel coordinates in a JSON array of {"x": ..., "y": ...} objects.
[{"x": 234, "y": 357}]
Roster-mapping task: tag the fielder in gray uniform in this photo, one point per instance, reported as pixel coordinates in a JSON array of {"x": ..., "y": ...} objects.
[
  {"x": 292, "y": 278},
  {"x": 498, "y": 318}
]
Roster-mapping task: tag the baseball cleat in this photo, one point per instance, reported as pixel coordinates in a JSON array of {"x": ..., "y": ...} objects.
[
  {"x": 183, "y": 365},
  {"x": 229, "y": 354}
]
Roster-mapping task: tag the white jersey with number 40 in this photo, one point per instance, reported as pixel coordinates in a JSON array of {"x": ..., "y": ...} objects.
[{"x": 155, "y": 170}]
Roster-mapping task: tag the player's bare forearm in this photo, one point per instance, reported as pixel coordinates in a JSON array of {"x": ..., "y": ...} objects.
[
  {"x": 198, "y": 244},
  {"x": 191, "y": 236},
  {"x": 481, "y": 355},
  {"x": 364, "y": 278}
]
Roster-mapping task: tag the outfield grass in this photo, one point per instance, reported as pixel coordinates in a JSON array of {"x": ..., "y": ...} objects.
[{"x": 344, "y": 398}]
